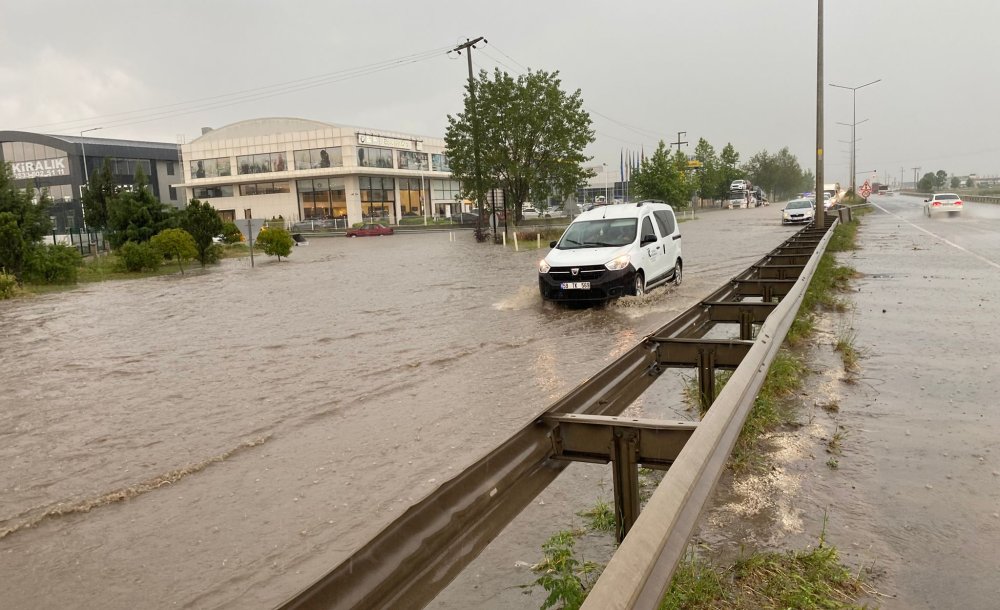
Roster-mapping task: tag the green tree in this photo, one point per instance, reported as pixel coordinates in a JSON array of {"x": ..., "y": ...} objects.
[
  {"x": 956, "y": 182},
  {"x": 808, "y": 182},
  {"x": 762, "y": 170},
  {"x": 135, "y": 214},
  {"x": 97, "y": 195},
  {"x": 276, "y": 242},
  {"x": 941, "y": 178},
  {"x": 970, "y": 183},
  {"x": 202, "y": 222},
  {"x": 231, "y": 234},
  {"x": 177, "y": 244},
  {"x": 664, "y": 176},
  {"x": 52, "y": 264},
  {"x": 927, "y": 183},
  {"x": 729, "y": 161},
  {"x": 707, "y": 178},
  {"x": 531, "y": 138},
  {"x": 23, "y": 222}
]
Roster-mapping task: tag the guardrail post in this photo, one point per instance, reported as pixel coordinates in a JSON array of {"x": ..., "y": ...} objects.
[
  {"x": 746, "y": 324},
  {"x": 706, "y": 376},
  {"x": 626, "y": 479}
]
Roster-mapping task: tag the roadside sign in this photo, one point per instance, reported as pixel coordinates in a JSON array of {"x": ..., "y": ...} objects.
[{"x": 865, "y": 190}]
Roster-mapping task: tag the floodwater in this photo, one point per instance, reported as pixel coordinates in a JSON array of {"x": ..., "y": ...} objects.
[
  {"x": 911, "y": 497},
  {"x": 223, "y": 439}
]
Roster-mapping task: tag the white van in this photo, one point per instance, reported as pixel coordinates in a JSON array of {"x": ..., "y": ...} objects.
[{"x": 613, "y": 251}]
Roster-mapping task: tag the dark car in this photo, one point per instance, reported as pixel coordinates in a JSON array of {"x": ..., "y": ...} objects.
[
  {"x": 465, "y": 218},
  {"x": 370, "y": 230}
]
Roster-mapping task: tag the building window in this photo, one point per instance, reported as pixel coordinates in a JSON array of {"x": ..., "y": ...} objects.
[
  {"x": 318, "y": 157},
  {"x": 211, "y": 168},
  {"x": 173, "y": 193},
  {"x": 409, "y": 159},
  {"x": 263, "y": 188},
  {"x": 322, "y": 198},
  {"x": 211, "y": 192},
  {"x": 14, "y": 152},
  {"x": 374, "y": 157},
  {"x": 261, "y": 164},
  {"x": 446, "y": 190},
  {"x": 127, "y": 167},
  {"x": 170, "y": 168},
  {"x": 410, "y": 198},
  {"x": 439, "y": 163},
  {"x": 377, "y": 197}
]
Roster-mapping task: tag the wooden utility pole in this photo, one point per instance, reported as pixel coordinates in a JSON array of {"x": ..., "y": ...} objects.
[
  {"x": 468, "y": 45},
  {"x": 818, "y": 193}
]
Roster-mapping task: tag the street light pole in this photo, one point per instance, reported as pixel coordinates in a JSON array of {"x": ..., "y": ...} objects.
[
  {"x": 83, "y": 146},
  {"x": 606, "y": 197},
  {"x": 821, "y": 215},
  {"x": 854, "y": 123}
]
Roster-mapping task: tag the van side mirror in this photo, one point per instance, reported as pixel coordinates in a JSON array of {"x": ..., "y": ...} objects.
[
  {"x": 552, "y": 244},
  {"x": 647, "y": 239}
]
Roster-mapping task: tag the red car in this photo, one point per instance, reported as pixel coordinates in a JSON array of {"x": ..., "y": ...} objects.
[{"x": 369, "y": 230}]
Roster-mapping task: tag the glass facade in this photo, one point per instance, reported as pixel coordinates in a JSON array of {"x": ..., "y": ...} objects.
[
  {"x": 374, "y": 157},
  {"x": 28, "y": 160},
  {"x": 439, "y": 163},
  {"x": 318, "y": 157},
  {"x": 127, "y": 167},
  {"x": 411, "y": 200},
  {"x": 378, "y": 196},
  {"x": 409, "y": 159},
  {"x": 211, "y": 168},
  {"x": 261, "y": 164},
  {"x": 450, "y": 190},
  {"x": 263, "y": 188},
  {"x": 211, "y": 192},
  {"x": 322, "y": 198}
]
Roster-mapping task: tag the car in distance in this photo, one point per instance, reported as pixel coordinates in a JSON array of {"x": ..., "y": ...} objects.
[
  {"x": 943, "y": 202},
  {"x": 798, "y": 210},
  {"x": 369, "y": 230},
  {"x": 613, "y": 251}
]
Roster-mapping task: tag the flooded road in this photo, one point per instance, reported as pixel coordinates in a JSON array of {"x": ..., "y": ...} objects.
[{"x": 223, "y": 439}]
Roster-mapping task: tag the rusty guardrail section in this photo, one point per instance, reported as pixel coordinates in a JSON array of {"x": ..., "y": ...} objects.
[{"x": 413, "y": 558}]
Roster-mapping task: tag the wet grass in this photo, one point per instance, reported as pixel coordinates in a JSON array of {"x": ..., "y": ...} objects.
[
  {"x": 601, "y": 517},
  {"x": 809, "y": 579},
  {"x": 566, "y": 578},
  {"x": 845, "y": 345},
  {"x": 833, "y": 464},
  {"x": 836, "y": 442}
]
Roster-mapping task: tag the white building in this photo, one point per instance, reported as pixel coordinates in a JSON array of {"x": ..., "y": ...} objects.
[{"x": 302, "y": 170}]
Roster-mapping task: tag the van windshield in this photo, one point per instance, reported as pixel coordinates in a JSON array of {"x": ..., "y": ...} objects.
[{"x": 601, "y": 233}]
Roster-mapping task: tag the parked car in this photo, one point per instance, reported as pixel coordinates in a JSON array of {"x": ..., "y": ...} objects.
[
  {"x": 943, "y": 202},
  {"x": 798, "y": 210},
  {"x": 370, "y": 230},
  {"x": 465, "y": 218},
  {"x": 317, "y": 224},
  {"x": 613, "y": 251}
]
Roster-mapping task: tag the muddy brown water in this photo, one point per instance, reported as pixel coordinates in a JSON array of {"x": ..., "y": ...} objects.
[{"x": 225, "y": 438}]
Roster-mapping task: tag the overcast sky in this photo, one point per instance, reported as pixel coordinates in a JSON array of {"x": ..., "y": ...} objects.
[{"x": 737, "y": 71}]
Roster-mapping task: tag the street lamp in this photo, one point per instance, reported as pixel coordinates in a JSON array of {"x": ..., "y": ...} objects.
[
  {"x": 606, "y": 197},
  {"x": 86, "y": 174},
  {"x": 854, "y": 123}
]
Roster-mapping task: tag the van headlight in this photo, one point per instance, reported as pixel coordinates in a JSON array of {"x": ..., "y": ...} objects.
[
  {"x": 617, "y": 264},
  {"x": 543, "y": 267}
]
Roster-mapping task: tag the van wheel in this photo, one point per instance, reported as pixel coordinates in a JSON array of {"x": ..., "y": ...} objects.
[
  {"x": 678, "y": 273},
  {"x": 640, "y": 285}
]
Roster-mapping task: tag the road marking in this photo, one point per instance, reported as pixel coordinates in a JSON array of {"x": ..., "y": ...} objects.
[{"x": 950, "y": 243}]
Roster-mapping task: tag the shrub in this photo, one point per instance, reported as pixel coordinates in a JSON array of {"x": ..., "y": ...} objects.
[
  {"x": 52, "y": 264},
  {"x": 231, "y": 234},
  {"x": 276, "y": 242},
  {"x": 139, "y": 257},
  {"x": 8, "y": 285}
]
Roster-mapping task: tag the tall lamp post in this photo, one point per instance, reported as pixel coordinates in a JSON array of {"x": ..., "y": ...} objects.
[
  {"x": 854, "y": 123},
  {"x": 86, "y": 176},
  {"x": 606, "y": 194}
]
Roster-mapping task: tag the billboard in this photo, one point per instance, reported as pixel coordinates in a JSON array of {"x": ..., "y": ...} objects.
[{"x": 43, "y": 168}]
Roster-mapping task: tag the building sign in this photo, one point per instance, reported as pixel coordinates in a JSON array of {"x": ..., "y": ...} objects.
[
  {"x": 370, "y": 140},
  {"x": 43, "y": 168}
]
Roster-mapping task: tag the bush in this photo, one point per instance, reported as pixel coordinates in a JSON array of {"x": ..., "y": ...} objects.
[
  {"x": 231, "y": 234},
  {"x": 8, "y": 285},
  {"x": 276, "y": 242},
  {"x": 139, "y": 257},
  {"x": 52, "y": 265}
]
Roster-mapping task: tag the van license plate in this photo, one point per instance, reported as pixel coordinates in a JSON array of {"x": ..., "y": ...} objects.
[{"x": 575, "y": 285}]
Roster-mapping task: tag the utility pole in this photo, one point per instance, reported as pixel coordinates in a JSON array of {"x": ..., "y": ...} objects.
[
  {"x": 820, "y": 212},
  {"x": 916, "y": 170},
  {"x": 468, "y": 45},
  {"x": 678, "y": 142},
  {"x": 901, "y": 178}
]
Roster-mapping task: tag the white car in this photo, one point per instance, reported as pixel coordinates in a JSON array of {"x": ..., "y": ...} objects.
[
  {"x": 798, "y": 210},
  {"x": 943, "y": 202},
  {"x": 613, "y": 251}
]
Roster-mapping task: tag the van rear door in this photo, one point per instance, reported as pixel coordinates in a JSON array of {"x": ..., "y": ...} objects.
[{"x": 667, "y": 224}]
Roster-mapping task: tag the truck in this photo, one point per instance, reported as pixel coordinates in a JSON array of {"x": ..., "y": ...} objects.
[{"x": 835, "y": 193}]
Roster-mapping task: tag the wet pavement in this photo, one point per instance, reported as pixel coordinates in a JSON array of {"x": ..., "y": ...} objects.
[{"x": 225, "y": 438}]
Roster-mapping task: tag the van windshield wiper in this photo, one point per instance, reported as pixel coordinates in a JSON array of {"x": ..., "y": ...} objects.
[{"x": 601, "y": 244}]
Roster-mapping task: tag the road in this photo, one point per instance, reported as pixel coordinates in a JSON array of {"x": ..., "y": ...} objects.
[{"x": 225, "y": 438}]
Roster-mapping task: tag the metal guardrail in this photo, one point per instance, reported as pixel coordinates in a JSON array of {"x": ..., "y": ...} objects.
[{"x": 413, "y": 558}]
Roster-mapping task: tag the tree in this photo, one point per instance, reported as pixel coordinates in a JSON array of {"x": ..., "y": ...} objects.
[
  {"x": 531, "y": 138},
  {"x": 941, "y": 178},
  {"x": 707, "y": 177},
  {"x": 808, "y": 182},
  {"x": 927, "y": 183},
  {"x": 202, "y": 222},
  {"x": 956, "y": 182},
  {"x": 97, "y": 195},
  {"x": 23, "y": 222},
  {"x": 664, "y": 176},
  {"x": 728, "y": 171},
  {"x": 762, "y": 170},
  {"x": 231, "y": 234},
  {"x": 970, "y": 183},
  {"x": 135, "y": 214},
  {"x": 276, "y": 242},
  {"x": 175, "y": 243}
]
